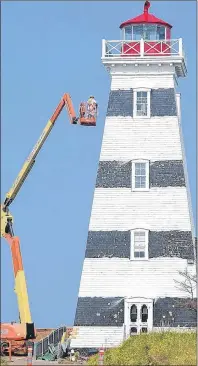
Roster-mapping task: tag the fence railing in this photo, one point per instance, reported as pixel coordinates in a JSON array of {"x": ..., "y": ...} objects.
[
  {"x": 41, "y": 347},
  {"x": 142, "y": 48}
]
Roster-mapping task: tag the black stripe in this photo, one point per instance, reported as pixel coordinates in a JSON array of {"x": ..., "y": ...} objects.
[
  {"x": 169, "y": 173},
  {"x": 102, "y": 311},
  {"x": 116, "y": 174},
  {"x": 116, "y": 244},
  {"x": 174, "y": 312},
  {"x": 163, "y": 103}
]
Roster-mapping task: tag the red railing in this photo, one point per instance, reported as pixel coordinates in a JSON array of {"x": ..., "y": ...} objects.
[{"x": 142, "y": 48}]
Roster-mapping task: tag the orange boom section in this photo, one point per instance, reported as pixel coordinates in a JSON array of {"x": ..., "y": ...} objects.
[
  {"x": 16, "y": 252},
  {"x": 16, "y": 255},
  {"x": 67, "y": 102},
  {"x": 20, "y": 281}
]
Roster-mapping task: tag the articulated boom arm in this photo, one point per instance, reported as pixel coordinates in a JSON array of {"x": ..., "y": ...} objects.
[
  {"x": 65, "y": 101},
  {"x": 25, "y": 330}
]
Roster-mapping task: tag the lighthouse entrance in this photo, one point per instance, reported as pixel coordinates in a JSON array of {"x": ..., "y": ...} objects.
[{"x": 138, "y": 317}]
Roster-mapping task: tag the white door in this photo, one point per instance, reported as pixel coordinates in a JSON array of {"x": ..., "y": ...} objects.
[{"x": 138, "y": 316}]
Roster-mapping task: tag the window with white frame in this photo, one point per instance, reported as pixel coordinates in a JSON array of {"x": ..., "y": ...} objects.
[
  {"x": 133, "y": 313},
  {"x": 140, "y": 175},
  {"x": 142, "y": 103},
  {"x": 139, "y": 244}
]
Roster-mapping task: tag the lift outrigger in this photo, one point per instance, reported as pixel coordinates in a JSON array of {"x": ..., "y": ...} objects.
[{"x": 25, "y": 329}]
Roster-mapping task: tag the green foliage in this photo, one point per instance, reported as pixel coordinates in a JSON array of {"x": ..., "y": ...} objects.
[
  {"x": 77, "y": 355},
  {"x": 164, "y": 348},
  {"x": 3, "y": 361}
]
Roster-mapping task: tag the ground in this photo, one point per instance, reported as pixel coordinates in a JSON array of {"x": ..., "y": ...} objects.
[
  {"x": 20, "y": 361},
  {"x": 23, "y": 361}
]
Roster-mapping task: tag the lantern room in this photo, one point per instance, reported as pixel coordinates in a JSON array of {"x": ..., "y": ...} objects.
[
  {"x": 146, "y": 27},
  {"x": 146, "y": 40}
]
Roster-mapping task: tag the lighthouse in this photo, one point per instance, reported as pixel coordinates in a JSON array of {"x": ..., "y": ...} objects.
[{"x": 141, "y": 236}]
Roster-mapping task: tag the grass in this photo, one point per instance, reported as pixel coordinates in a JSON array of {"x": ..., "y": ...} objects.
[
  {"x": 3, "y": 361},
  {"x": 167, "y": 348}
]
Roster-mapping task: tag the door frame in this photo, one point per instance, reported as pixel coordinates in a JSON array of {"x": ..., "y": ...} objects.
[{"x": 138, "y": 301}]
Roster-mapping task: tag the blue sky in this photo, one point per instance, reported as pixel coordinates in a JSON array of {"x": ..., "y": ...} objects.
[{"x": 49, "y": 48}]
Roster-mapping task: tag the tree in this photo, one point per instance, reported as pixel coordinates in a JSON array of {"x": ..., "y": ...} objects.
[{"x": 188, "y": 285}]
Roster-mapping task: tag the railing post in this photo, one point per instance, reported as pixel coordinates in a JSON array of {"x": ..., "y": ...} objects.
[
  {"x": 103, "y": 48},
  {"x": 34, "y": 350},
  {"x": 122, "y": 47},
  {"x": 180, "y": 47},
  {"x": 141, "y": 47}
]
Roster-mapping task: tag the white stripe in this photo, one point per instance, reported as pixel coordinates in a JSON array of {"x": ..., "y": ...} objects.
[
  {"x": 156, "y": 138},
  {"x": 112, "y": 277},
  {"x": 91, "y": 337},
  {"x": 126, "y": 82},
  {"x": 157, "y": 209}
]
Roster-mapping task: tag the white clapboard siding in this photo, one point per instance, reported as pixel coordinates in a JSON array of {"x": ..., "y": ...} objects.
[
  {"x": 157, "y": 209},
  {"x": 126, "y": 82},
  {"x": 95, "y": 337},
  {"x": 120, "y": 277},
  {"x": 125, "y": 138}
]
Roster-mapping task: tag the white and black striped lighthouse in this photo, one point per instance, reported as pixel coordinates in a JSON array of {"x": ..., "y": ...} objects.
[{"x": 141, "y": 228}]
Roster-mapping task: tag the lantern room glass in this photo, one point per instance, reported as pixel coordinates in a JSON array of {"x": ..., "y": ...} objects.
[{"x": 146, "y": 31}]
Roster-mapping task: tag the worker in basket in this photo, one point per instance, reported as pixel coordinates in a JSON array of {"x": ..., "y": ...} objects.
[
  {"x": 82, "y": 110},
  {"x": 92, "y": 107}
]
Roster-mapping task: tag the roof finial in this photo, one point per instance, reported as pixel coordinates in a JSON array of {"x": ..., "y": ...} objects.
[{"x": 146, "y": 6}]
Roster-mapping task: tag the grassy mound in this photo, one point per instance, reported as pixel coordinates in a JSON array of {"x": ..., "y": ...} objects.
[
  {"x": 167, "y": 348},
  {"x": 3, "y": 361}
]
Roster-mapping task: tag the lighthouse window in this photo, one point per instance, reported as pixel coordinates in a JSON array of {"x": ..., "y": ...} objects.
[
  {"x": 144, "y": 313},
  {"x": 139, "y": 245},
  {"x": 147, "y": 32},
  {"x": 137, "y": 32},
  {"x": 160, "y": 32},
  {"x": 133, "y": 313},
  {"x": 128, "y": 33},
  {"x": 142, "y": 103},
  {"x": 140, "y": 175},
  {"x": 133, "y": 331}
]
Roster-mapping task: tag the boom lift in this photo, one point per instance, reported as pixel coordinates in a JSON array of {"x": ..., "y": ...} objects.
[{"x": 25, "y": 330}]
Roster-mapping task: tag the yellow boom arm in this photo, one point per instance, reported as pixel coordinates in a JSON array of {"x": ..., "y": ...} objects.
[{"x": 25, "y": 170}]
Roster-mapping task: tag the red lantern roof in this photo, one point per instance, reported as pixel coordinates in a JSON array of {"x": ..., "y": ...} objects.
[{"x": 145, "y": 18}]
